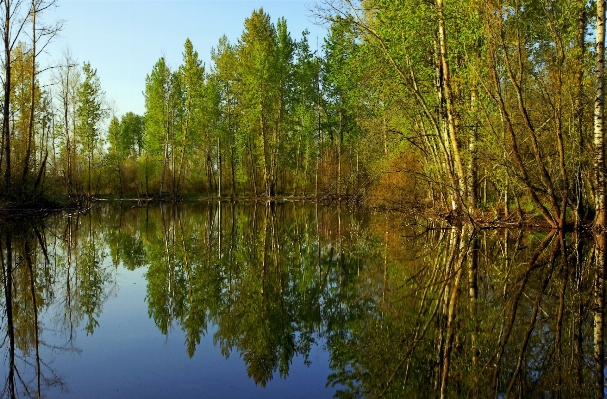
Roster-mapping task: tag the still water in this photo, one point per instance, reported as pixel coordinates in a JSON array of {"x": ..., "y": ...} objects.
[{"x": 294, "y": 300}]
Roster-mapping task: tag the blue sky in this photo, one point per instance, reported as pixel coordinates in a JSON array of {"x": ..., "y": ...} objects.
[{"x": 124, "y": 39}]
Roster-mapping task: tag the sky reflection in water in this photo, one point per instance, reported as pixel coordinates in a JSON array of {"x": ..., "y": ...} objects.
[
  {"x": 128, "y": 357},
  {"x": 296, "y": 300}
]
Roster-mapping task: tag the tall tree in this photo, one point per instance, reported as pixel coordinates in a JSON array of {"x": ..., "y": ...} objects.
[
  {"x": 257, "y": 69},
  {"x": 224, "y": 78},
  {"x": 162, "y": 100},
  {"x": 116, "y": 152},
  {"x": 284, "y": 85},
  {"x": 69, "y": 81},
  {"x": 600, "y": 219},
  {"x": 90, "y": 113},
  {"x": 191, "y": 75},
  {"x": 340, "y": 89},
  {"x": 6, "y": 108},
  {"x": 304, "y": 113}
]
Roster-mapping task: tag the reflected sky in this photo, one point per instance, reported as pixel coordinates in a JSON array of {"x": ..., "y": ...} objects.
[
  {"x": 128, "y": 357},
  {"x": 295, "y": 300}
]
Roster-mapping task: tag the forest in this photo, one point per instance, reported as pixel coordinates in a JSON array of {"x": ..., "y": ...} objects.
[
  {"x": 481, "y": 113},
  {"x": 475, "y": 110}
]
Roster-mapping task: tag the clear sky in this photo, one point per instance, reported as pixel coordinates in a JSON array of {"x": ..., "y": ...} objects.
[{"x": 124, "y": 39}]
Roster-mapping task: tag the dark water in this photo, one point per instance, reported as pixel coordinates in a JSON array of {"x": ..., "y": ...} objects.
[{"x": 294, "y": 300}]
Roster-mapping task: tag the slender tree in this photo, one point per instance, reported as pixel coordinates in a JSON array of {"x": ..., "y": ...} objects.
[
  {"x": 600, "y": 220},
  {"x": 191, "y": 75},
  {"x": 161, "y": 116},
  {"x": 90, "y": 113},
  {"x": 224, "y": 79},
  {"x": 258, "y": 96}
]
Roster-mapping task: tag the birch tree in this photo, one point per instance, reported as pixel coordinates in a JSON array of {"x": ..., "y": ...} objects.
[{"x": 600, "y": 219}]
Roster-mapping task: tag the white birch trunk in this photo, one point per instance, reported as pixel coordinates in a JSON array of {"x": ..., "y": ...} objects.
[{"x": 599, "y": 117}]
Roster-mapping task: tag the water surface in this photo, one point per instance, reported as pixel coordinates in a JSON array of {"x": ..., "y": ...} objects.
[{"x": 294, "y": 300}]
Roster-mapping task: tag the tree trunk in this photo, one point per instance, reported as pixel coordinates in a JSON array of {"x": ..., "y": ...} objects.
[
  {"x": 166, "y": 154},
  {"x": 341, "y": 136},
  {"x": 89, "y": 173},
  {"x": 598, "y": 309},
  {"x": 41, "y": 172},
  {"x": 219, "y": 166},
  {"x": 231, "y": 141},
  {"x": 8, "y": 295},
  {"x": 68, "y": 151},
  {"x": 600, "y": 218},
  {"x": 30, "y": 131},
  {"x": 7, "y": 97},
  {"x": 472, "y": 148},
  {"x": 460, "y": 184},
  {"x": 579, "y": 114},
  {"x": 184, "y": 144}
]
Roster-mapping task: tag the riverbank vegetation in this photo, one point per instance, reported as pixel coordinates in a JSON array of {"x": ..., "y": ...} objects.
[{"x": 470, "y": 108}]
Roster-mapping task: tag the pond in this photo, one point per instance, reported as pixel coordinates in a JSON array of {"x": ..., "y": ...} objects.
[{"x": 294, "y": 300}]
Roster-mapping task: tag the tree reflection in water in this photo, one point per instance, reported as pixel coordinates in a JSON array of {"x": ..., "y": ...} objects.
[
  {"x": 403, "y": 311},
  {"x": 531, "y": 324},
  {"x": 65, "y": 277}
]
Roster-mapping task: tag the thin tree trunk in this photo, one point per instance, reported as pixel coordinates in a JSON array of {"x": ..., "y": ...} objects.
[
  {"x": 147, "y": 178},
  {"x": 41, "y": 172},
  {"x": 7, "y": 95},
  {"x": 472, "y": 148},
  {"x": 173, "y": 161},
  {"x": 35, "y": 308},
  {"x": 89, "y": 173},
  {"x": 579, "y": 113},
  {"x": 598, "y": 309},
  {"x": 297, "y": 158},
  {"x": 600, "y": 219},
  {"x": 233, "y": 170},
  {"x": 231, "y": 141},
  {"x": 166, "y": 154},
  {"x": 30, "y": 132},
  {"x": 451, "y": 122},
  {"x": 341, "y": 137},
  {"x": 8, "y": 293},
  {"x": 68, "y": 150},
  {"x": 508, "y": 126},
  {"x": 184, "y": 143},
  {"x": 219, "y": 171}
]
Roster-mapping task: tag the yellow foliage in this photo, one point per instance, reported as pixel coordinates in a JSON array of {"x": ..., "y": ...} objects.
[{"x": 398, "y": 183}]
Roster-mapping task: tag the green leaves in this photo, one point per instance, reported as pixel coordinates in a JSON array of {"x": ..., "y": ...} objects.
[
  {"x": 91, "y": 109},
  {"x": 89, "y": 115}
]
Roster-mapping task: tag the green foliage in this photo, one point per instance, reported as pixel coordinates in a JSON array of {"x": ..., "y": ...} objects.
[
  {"x": 90, "y": 109},
  {"x": 473, "y": 106},
  {"x": 90, "y": 113},
  {"x": 131, "y": 134},
  {"x": 158, "y": 89}
]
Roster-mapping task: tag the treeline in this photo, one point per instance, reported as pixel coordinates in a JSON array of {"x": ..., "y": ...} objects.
[
  {"x": 267, "y": 118},
  {"x": 464, "y": 106}
]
